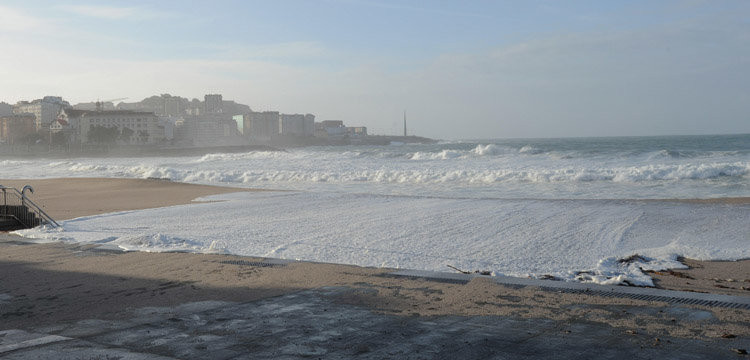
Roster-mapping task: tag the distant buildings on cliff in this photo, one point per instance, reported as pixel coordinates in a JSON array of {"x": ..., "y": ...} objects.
[{"x": 164, "y": 120}]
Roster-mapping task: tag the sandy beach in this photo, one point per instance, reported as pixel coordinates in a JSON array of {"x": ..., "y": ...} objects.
[
  {"x": 69, "y": 198},
  {"x": 43, "y": 284}
]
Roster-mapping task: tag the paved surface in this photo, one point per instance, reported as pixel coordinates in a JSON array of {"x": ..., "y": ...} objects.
[{"x": 314, "y": 324}]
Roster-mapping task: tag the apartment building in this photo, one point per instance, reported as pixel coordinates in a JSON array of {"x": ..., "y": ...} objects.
[
  {"x": 15, "y": 127},
  {"x": 45, "y": 110},
  {"x": 261, "y": 125},
  {"x": 297, "y": 125},
  {"x": 144, "y": 126}
]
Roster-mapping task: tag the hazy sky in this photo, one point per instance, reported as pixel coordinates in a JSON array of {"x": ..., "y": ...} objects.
[{"x": 461, "y": 69}]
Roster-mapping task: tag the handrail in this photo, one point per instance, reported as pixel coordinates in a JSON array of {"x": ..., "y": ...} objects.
[{"x": 25, "y": 201}]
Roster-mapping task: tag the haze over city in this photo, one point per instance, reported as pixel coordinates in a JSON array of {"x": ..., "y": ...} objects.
[
  {"x": 374, "y": 179},
  {"x": 482, "y": 69}
]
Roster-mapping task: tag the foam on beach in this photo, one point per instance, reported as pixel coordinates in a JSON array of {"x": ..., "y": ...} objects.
[
  {"x": 525, "y": 207},
  {"x": 577, "y": 240}
]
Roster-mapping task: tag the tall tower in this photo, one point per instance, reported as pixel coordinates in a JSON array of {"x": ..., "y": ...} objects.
[{"x": 404, "y": 122}]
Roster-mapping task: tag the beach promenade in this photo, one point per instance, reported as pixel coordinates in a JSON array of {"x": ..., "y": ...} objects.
[{"x": 89, "y": 302}]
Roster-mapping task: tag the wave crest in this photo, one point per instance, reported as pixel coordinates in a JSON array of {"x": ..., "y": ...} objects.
[
  {"x": 491, "y": 149},
  {"x": 528, "y": 149},
  {"x": 443, "y": 155},
  {"x": 445, "y": 174}
]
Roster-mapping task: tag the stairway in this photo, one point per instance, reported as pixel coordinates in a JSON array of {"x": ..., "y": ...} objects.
[
  {"x": 8, "y": 223},
  {"x": 17, "y": 211},
  {"x": 16, "y": 217}
]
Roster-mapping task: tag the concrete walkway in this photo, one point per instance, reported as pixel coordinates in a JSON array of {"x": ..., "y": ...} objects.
[
  {"x": 61, "y": 301},
  {"x": 315, "y": 324}
]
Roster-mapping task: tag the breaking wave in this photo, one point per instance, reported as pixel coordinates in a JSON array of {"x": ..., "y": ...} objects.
[
  {"x": 634, "y": 174},
  {"x": 491, "y": 149},
  {"x": 443, "y": 155},
  {"x": 550, "y": 168},
  {"x": 527, "y": 149},
  {"x": 5, "y": 163}
]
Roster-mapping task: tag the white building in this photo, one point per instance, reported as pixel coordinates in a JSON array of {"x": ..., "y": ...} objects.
[
  {"x": 61, "y": 124},
  {"x": 209, "y": 130},
  {"x": 297, "y": 124},
  {"x": 144, "y": 126},
  {"x": 309, "y": 124},
  {"x": 45, "y": 109},
  {"x": 330, "y": 129},
  {"x": 261, "y": 125}
]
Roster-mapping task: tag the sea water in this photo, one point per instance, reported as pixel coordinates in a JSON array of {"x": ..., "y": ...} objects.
[{"x": 569, "y": 208}]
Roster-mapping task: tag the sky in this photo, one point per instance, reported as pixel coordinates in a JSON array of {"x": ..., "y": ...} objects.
[{"x": 459, "y": 69}]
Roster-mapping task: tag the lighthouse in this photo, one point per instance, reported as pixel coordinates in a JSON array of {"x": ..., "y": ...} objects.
[{"x": 404, "y": 122}]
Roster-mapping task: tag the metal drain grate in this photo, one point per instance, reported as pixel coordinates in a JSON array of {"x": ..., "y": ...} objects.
[
  {"x": 445, "y": 280},
  {"x": 252, "y": 263},
  {"x": 636, "y": 293},
  {"x": 645, "y": 297}
]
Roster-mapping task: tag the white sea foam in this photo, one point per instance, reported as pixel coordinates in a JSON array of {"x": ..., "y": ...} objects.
[
  {"x": 528, "y": 149},
  {"x": 427, "y": 206},
  {"x": 449, "y": 170},
  {"x": 569, "y": 239},
  {"x": 12, "y": 163},
  {"x": 488, "y": 150},
  {"x": 418, "y": 175},
  {"x": 442, "y": 155}
]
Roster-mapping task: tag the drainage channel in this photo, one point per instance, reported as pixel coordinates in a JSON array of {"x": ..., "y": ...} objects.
[
  {"x": 263, "y": 263},
  {"x": 637, "y": 293}
]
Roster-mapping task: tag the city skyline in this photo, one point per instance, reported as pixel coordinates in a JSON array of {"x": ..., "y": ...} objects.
[{"x": 483, "y": 69}]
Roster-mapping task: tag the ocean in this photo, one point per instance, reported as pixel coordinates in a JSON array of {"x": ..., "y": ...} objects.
[{"x": 568, "y": 208}]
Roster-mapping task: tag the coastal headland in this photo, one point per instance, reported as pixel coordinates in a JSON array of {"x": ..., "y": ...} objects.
[{"x": 56, "y": 288}]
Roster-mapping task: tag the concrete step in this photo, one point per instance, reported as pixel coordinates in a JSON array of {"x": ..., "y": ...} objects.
[
  {"x": 10, "y": 215},
  {"x": 9, "y": 224}
]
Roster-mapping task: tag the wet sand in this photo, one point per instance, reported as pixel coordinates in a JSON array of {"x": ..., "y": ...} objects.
[{"x": 42, "y": 284}]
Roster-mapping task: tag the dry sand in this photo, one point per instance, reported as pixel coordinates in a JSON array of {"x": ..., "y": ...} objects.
[
  {"x": 70, "y": 198},
  {"x": 42, "y": 284},
  {"x": 716, "y": 277},
  {"x": 45, "y": 284}
]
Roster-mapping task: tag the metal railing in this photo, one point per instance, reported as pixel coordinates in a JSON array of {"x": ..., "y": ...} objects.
[{"x": 15, "y": 204}]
